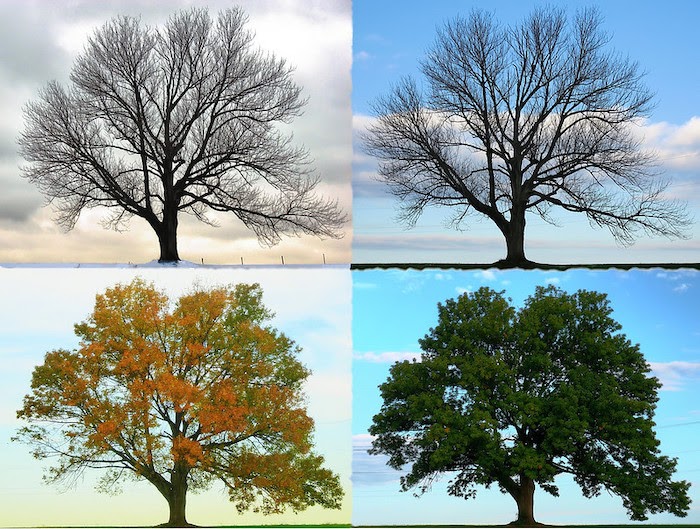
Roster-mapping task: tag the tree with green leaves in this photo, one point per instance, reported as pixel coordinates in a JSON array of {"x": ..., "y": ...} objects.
[
  {"x": 181, "y": 395},
  {"x": 516, "y": 397}
]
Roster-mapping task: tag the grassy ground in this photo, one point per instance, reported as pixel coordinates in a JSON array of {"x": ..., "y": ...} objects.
[{"x": 640, "y": 525}]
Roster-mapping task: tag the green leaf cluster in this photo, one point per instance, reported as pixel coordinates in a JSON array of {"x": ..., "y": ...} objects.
[{"x": 504, "y": 395}]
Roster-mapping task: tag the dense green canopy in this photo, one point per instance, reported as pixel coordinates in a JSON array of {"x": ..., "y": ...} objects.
[{"x": 517, "y": 397}]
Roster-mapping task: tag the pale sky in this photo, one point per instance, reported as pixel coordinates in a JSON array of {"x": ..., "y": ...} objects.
[
  {"x": 38, "y": 310},
  {"x": 39, "y": 40}
]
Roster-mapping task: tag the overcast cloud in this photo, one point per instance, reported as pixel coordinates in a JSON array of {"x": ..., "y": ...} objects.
[{"x": 39, "y": 40}]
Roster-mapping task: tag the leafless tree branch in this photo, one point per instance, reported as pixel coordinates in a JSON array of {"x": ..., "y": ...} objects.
[
  {"x": 182, "y": 118},
  {"x": 524, "y": 118}
]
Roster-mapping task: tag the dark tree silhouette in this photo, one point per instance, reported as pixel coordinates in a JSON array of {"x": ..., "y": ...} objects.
[
  {"x": 516, "y": 398},
  {"x": 181, "y": 118},
  {"x": 523, "y": 119}
]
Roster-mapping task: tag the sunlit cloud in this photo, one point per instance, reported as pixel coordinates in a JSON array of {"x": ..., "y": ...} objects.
[{"x": 486, "y": 275}]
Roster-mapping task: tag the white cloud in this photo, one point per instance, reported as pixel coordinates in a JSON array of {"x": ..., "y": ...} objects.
[
  {"x": 678, "y": 275},
  {"x": 674, "y": 375},
  {"x": 687, "y": 134},
  {"x": 370, "y": 470},
  {"x": 363, "y": 440},
  {"x": 410, "y": 280},
  {"x": 387, "y": 357},
  {"x": 676, "y": 146},
  {"x": 431, "y": 242},
  {"x": 683, "y": 280},
  {"x": 486, "y": 275},
  {"x": 361, "y": 122}
]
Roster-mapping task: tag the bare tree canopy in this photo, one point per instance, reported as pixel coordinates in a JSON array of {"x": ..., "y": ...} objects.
[
  {"x": 183, "y": 118},
  {"x": 522, "y": 119}
]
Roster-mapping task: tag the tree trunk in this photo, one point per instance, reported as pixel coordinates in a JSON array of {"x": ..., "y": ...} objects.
[
  {"x": 176, "y": 494},
  {"x": 176, "y": 504},
  {"x": 524, "y": 496},
  {"x": 167, "y": 236},
  {"x": 514, "y": 233}
]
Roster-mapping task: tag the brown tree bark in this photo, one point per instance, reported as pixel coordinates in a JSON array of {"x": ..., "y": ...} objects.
[
  {"x": 514, "y": 233},
  {"x": 177, "y": 498},
  {"x": 524, "y": 496}
]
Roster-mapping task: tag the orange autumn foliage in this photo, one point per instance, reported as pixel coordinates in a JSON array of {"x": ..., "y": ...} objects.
[
  {"x": 182, "y": 393},
  {"x": 186, "y": 450}
]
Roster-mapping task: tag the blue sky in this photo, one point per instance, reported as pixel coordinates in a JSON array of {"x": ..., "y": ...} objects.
[
  {"x": 38, "y": 308},
  {"x": 392, "y": 309},
  {"x": 389, "y": 39}
]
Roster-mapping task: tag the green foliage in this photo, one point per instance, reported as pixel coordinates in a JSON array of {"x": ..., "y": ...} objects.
[{"x": 502, "y": 395}]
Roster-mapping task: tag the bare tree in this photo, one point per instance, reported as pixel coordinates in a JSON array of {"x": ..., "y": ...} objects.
[
  {"x": 183, "y": 118},
  {"x": 522, "y": 119}
]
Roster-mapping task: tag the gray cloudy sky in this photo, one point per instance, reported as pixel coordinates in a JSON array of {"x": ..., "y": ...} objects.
[{"x": 39, "y": 40}]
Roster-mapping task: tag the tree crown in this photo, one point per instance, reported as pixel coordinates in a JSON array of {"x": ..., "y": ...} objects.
[
  {"x": 199, "y": 390},
  {"x": 524, "y": 118},
  {"x": 502, "y": 395}
]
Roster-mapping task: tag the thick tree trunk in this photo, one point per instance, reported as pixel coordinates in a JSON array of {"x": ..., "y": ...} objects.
[
  {"x": 176, "y": 495},
  {"x": 524, "y": 496},
  {"x": 526, "y": 502},
  {"x": 176, "y": 504},
  {"x": 515, "y": 241},
  {"x": 514, "y": 233},
  {"x": 167, "y": 236},
  {"x": 174, "y": 492}
]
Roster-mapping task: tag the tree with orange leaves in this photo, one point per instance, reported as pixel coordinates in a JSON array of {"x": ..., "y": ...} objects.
[{"x": 181, "y": 395}]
